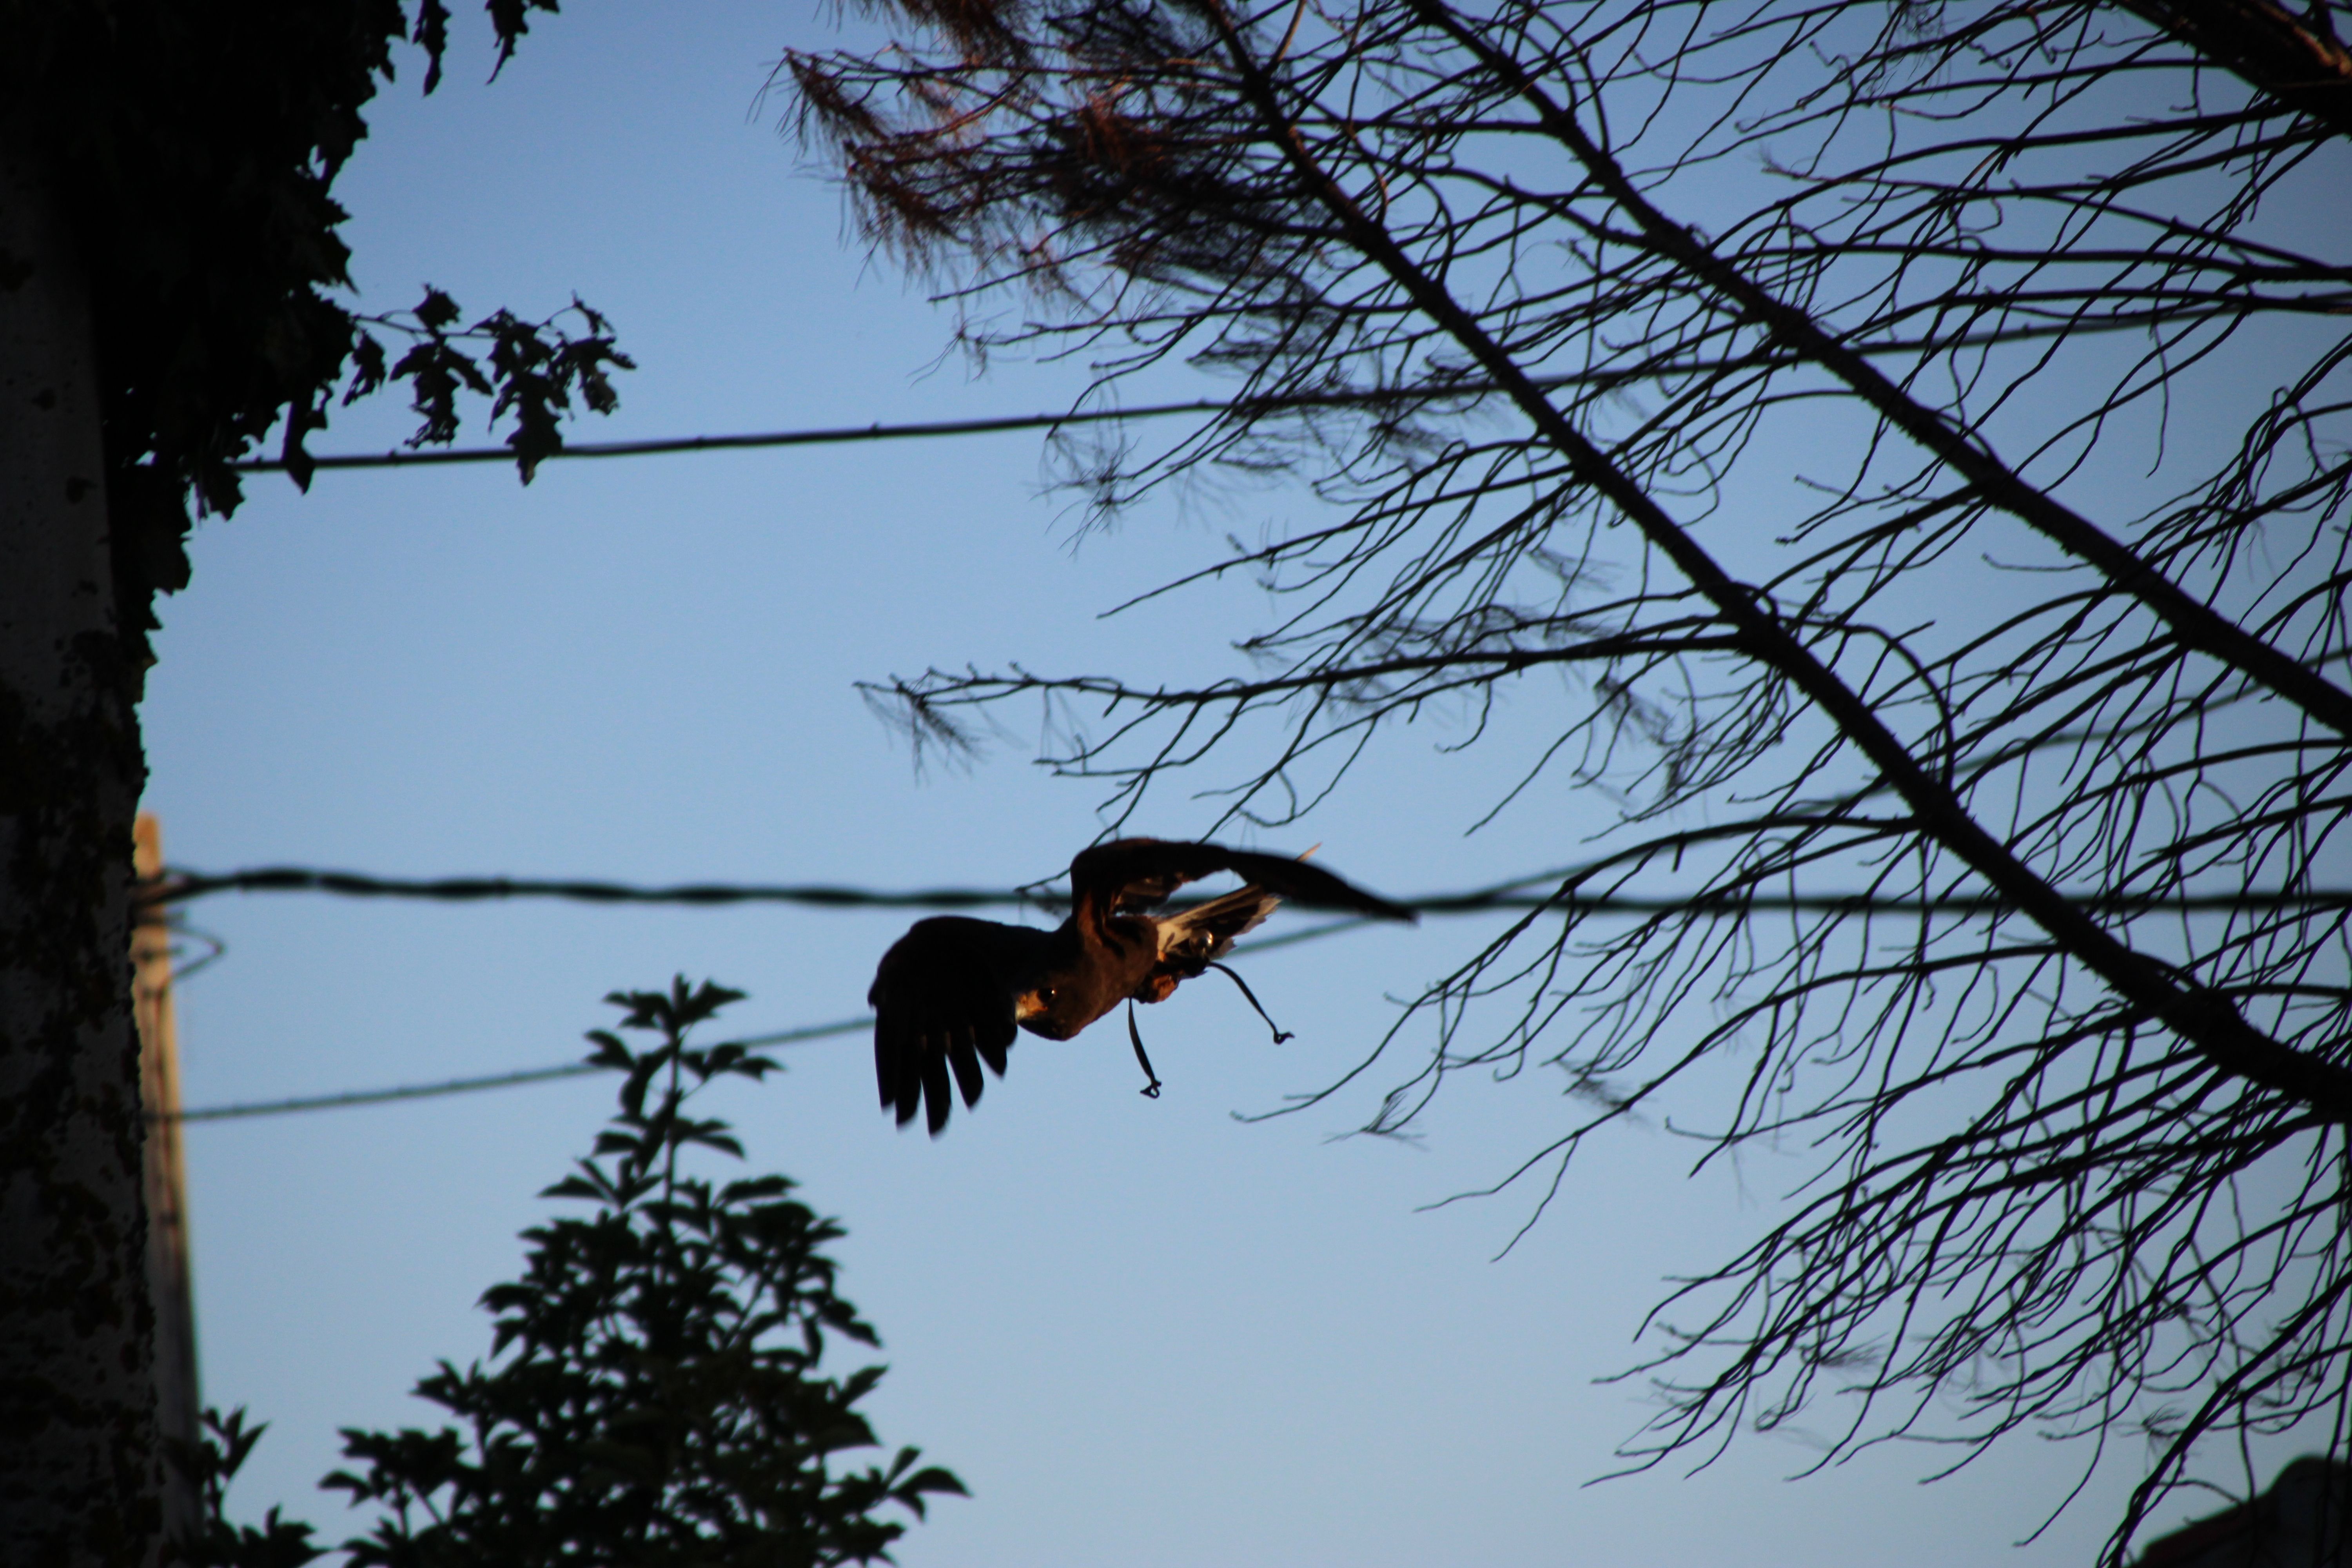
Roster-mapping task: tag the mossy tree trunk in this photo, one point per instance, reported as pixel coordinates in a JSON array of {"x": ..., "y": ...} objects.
[{"x": 78, "y": 1473}]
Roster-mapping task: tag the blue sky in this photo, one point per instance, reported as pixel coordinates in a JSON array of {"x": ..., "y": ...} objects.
[{"x": 1144, "y": 1332}]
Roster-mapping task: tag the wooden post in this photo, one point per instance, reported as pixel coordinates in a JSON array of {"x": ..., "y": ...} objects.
[{"x": 177, "y": 1396}]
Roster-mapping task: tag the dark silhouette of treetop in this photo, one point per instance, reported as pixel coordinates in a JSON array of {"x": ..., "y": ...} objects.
[{"x": 654, "y": 1394}]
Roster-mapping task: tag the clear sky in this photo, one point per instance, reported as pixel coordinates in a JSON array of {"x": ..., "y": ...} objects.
[{"x": 1143, "y": 1332}]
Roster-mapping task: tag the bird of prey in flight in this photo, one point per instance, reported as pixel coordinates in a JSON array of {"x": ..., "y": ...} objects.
[{"x": 949, "y": 993}]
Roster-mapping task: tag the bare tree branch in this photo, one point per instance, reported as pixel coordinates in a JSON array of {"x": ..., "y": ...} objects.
[{"x": 1904, "y": 669}]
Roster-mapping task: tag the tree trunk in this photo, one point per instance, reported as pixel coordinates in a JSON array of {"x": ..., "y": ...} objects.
[{"x": 79, "y": 1466}]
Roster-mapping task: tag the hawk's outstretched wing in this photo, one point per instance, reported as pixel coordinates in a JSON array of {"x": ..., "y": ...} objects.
[
  {"x": 943, "y": 1001},
  {"x": 1136, "y": 873}
]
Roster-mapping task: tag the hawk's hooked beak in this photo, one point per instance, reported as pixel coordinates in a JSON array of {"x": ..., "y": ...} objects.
[{"x": 1027, "y": 1005}]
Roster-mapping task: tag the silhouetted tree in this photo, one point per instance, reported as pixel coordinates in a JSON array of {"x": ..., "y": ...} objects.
[
  {"x": 1897, "y": 450},
  {"x": 652, "y": 1395},
  {"x": 168, "y": 250}
]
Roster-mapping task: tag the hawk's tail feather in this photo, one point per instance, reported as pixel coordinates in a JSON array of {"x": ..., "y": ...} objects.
[{"x": 1207, "y": 931}]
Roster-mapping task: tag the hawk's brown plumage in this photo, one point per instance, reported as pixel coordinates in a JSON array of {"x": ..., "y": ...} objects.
[{"x": 949, "y": 993}]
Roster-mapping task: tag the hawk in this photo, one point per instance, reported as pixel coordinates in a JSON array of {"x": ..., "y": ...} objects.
[{"x": 949, "y": 993}]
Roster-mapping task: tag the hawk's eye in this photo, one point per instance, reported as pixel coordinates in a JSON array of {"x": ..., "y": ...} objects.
[{"x": 1046, "y": 995}]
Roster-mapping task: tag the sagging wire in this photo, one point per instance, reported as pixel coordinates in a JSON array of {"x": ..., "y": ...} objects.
[{"x": 469, "y": 1085}]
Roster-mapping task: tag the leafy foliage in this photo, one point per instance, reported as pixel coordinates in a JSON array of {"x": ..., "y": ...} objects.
[
  {"x": 530, "y": 368},
  {"x": 191, "y": 146},
  {"x": 213, "y": 1460},
  {"x": 652, "y": 1395},
  {"x": 651, "y": 1398}
]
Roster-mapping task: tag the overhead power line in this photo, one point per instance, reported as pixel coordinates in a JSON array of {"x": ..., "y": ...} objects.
[
  {"x": 574, "y": 1069},
  {"x": 1245, "y": 407},
  {"x": 179, "y": 886},
  {"x": 471, "y": 1085},
  {"x": 176, "y": 886},
  {"x": 1344, "y": 398},
  {"x": 417, "y": 458},
  {"x": 378, "y": 1096}
]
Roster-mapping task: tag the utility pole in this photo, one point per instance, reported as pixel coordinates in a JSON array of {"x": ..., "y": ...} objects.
[{"x": 176, "y": 1394}]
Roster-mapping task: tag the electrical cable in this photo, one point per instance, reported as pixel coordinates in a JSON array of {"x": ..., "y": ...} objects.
[
  {"x": 1244, "y": 408},
  {"x": 179, "y": 885},
  {"x": 575, "y": 1069},
  {"x": 469, "y": 1085}
]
